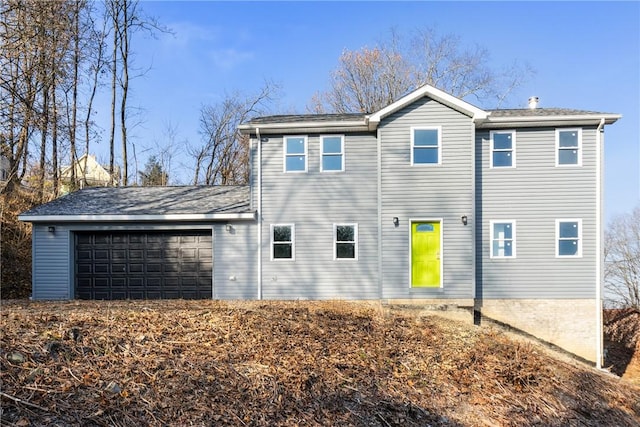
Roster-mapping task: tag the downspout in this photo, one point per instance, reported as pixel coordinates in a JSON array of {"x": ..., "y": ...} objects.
[
  {"x": 599, "y": 232},
  {"x": 259, "y": 213},
  {"x": 379, "y": 206}
]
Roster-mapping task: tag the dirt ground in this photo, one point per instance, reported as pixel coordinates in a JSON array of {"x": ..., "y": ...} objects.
[
  {"x": 622, "y": 343},
  {"x": 285, "y": 364}
]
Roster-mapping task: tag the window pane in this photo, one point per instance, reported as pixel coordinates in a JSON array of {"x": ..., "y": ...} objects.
[
  {"x": 282, "y": 233},
  {"x": 295, "y": 145},
  {"x": 295, "y": 163},
  {"x": 502, "y": 248},
  {"x": 568, "y": 138},
  {"x": 425, "y": 155},
  {"x": 568, "y": 157},
  {"x": 425, "y": 137},
  {"x": 568, "y": 247},
  {"x": 568, "y": 229},
  {"x": 332, "y": 144},
  {"x": 345, "y": 233},
  {"x": 332, "y": 163},
  {"x": 502, "y": 159},
  {"x": 345, "y": 250},
  {"x": 502, "y": 231},
  {"x": 282, "y": 250},
  {"x": 502, "y": 141}
]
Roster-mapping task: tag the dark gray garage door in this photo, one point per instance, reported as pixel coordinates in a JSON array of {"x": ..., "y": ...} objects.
[{"x": 143, "y": 265}]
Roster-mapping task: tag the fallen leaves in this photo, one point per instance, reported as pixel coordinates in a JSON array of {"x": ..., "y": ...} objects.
[{"x": 284, "y": 363}]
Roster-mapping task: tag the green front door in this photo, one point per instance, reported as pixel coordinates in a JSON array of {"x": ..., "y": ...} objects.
[{"x": 425, "y": 254}]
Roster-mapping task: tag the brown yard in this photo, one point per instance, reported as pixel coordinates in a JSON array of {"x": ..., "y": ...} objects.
[{"x": 307, "y": 364}]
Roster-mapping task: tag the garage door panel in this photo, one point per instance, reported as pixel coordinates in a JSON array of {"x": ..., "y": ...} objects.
[{"x": 143, "y": 265}]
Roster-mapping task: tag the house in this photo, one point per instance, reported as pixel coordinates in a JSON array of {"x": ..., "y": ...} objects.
[
  {"x": 430, "y": 200},
  {"x": 88, "y": 173},
  {"x": 4, "y": 168}
]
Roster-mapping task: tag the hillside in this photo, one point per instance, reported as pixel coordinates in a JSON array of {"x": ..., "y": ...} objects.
[{"x": 308, "y": 364}]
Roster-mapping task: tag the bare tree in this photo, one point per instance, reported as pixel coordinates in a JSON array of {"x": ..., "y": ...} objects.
[
  {"x": 223, "y": 159},
  {"x": 369, "y": 79},
  {"x": 622, "y": 260}
]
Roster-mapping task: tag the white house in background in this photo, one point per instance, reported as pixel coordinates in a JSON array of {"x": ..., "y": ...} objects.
[
  {"x": 89, "y": 173},
  {"x": 430, "y": 200}
]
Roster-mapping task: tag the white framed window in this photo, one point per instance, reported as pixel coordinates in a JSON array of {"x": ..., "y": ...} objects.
[
  {"x": 283, "y": 242},
  {"x": 569, "y": 147},
  {"x": 426, "y": 145},
  {"x": 569, "y": 238},
  {"x": 332, "y": 153},
  {"x": 503, "y": 148},
  {"x": 345, "y": 241},
  {"x": 295, "y": 153},
  {"x": 503, "y": 238}
]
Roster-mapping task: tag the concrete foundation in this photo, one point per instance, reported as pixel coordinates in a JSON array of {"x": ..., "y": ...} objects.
[{"x": 569, "y": 324}]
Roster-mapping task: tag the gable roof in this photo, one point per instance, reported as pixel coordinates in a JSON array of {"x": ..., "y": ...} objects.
[
  {"x": 188, "y": 203},
  {"x": 354, "y": 122}
]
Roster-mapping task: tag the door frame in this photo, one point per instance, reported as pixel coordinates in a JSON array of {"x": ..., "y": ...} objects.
[{"x": 411, "y": 222}]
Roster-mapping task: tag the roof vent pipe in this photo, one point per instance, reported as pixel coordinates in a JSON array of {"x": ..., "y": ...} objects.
[{"x": 533, "y": 102}]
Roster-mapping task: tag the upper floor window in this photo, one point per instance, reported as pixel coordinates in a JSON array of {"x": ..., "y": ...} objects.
[
  {"x": 345, "y": 241},
  {"x": 503, "y": 239},
  {"x": 568, "y": 147},
  {"x": 503, "y": 149},
  {"x": 283, "y": 241},
  {"x": 295, "y": 153},
  {"x": 426, "y": 146},
  {"x": 569, "y": 238},
  {"x": 332, "y": 153}
]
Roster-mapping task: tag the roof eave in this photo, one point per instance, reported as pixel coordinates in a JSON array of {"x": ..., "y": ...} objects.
[
  {"x": 540, "y": 121},
  {"x": 229, "y": 216},
  {"x": 273, "y": 128}
]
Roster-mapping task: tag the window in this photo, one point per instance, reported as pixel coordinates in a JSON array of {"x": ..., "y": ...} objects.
[
  {"x": 282, "y": 241},
  {"x": 345, "y": 238},
  {"x": 295, "y": 154},
  {"x": 503, "y": 239},
  {"x": 503, "y": 149},
  {"x": 568, "y": 144},
  {"x": 332, "y": 153},
  {"x": 569, "y": 238},
  {"x": 425, "y": 146}
]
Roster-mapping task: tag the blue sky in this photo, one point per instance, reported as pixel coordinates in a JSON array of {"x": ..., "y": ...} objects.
[{"x": 586, "y": 56}]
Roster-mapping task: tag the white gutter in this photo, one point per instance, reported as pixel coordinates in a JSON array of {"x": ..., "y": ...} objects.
[
  {"x": 259, "y": 213},
  {"x": 599, "y": 231},
  {"x": 552, "y": 120},
  {"x": 358, "y": 125},
  {"x": 139, "y": 218}
]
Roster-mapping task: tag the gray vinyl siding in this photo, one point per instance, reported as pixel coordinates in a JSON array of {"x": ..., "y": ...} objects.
[
  {"x": 234, "y": 261},
  {"x": 313, "y": 202},
  {"x": 416, "y": 192},
  {"x": 51, "y": 271},
  {"x": 535, "y": 194}
]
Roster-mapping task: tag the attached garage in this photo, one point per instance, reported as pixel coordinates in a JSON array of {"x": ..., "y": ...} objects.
[
  {"x": 145, "y": 243},
  {"x": 143, "y": 265}
]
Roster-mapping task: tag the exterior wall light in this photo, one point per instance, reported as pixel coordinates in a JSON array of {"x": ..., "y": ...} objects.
[
  {"x": 51, "y": 229},
  {"x": 464, "y": 220},
  {"x": 229, "y": 228},
  {"x": 396, "y": 221}
]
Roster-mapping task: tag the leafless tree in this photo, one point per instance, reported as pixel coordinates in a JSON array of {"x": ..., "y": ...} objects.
[
  {"x": 224, "y": 156},
  {"x": 622, "y": 260},
  {"x": 369, "y": 79}
]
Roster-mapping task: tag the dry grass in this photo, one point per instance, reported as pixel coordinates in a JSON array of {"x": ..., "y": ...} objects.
[{"x": 284, "y": 364}]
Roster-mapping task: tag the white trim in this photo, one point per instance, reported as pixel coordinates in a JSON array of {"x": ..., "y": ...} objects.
[
  {"x": 411, "y": 222},
  {"x": 259, "y": 239},
  {"x": 599, "y": 238},
  {"x": 492, "y": 238},
  {"x": 433, "y": 93},
  {"x": 439, "y": 147},
  {"x": 579, "y": 238},
  {"x": 139, "y": 218},
  {"x": 551, "y": 120},
  {"x": 342, "y": 153},
  {"x": 285, "y": 154},
  {"x": 355, "y": 241},
  {"x": 323, "y": 126},
  {"x": 578, "y": 147},
  {"x": 293, "y": 242},
  {"x": 492, "y": 149},
  {"x": 379, "y": 207}
]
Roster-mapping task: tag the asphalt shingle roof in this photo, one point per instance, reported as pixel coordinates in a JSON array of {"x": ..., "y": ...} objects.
[
  {"x": 148, "y": 201},
  {"x": 540, "y": 112},
  {"x": 298, "y": 118}
]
